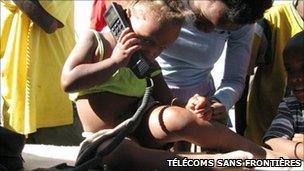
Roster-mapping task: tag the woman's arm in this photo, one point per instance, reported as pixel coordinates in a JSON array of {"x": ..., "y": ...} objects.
[
  {"x": 39, "y": 15},
  {"x": 236, "y": 66},
  {"x": 196, "y": 104},
  {"x": 287, "y": 147},
  {"x": 161, "y": 91}
]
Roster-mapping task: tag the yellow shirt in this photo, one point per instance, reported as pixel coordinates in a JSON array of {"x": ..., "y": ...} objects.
[
  {"x": 31, "y": 64},
  {"x": 270, "y": 80}
]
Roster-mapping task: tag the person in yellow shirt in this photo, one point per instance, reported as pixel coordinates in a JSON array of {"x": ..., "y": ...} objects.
[
  {"x": 268, "y": 85},
  {"x": 36, "y": 38}
]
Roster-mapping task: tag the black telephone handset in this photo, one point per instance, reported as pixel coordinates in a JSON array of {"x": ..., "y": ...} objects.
[{"x": 116, "y": 20}]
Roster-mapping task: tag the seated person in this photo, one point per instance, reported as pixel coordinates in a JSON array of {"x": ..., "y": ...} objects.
[
  {"x": 285, "y": 134},
  {"x": 106, "y": 92}
]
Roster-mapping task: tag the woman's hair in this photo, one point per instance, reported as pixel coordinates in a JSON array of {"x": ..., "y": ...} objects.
[
  {"x": 163, "y": 11},
  {"x": 246, "y": 11}
]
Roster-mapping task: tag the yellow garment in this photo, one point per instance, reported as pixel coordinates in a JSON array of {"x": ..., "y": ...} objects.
[
  {"x": 31, "y": 64},
  {"x": 123, "y": 81},
  {"x": 270, "y": 80}
]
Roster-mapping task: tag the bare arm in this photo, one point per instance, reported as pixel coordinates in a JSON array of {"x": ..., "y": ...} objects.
[
  {"x": 38, "y": 15},
  {"x": 286, "y": 147},
  {"x": 83, "y": 68}
]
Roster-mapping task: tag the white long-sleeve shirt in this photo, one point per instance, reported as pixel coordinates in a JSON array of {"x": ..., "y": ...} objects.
[{"x": 191, "y": 58}]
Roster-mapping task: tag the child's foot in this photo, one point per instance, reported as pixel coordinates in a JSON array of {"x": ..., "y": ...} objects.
[
  {"x": 274, "y": 155},
  {"x": 239, "y": 154}
]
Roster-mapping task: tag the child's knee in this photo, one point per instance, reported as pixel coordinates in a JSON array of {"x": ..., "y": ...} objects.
[{"x": 177, "y": 119}]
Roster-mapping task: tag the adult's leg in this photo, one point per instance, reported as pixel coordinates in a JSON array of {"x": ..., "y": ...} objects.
[
  {"x": 171, "y": 124},
  {"x": 241, "y": 110},
  {"x": 58, "y": 135}
]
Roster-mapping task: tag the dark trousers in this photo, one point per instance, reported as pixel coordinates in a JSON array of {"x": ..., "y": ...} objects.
[
  {"x": 11, "y": 146},
  {"x": 68, "y": 135},
  {"x": 241, "y": 110}
]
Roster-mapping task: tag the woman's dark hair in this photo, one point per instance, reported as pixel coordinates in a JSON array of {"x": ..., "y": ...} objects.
[{"x": 246, "y": 11}]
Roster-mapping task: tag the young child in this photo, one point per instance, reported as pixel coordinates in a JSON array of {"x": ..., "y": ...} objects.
[
  {"x": 285, "y": 134},
  {"x": 106, "y": 91},
  {"x": 267, "y": 87}
]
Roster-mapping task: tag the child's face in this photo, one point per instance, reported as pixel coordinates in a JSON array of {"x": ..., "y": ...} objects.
[
  {"x": 295, "y": 71},
  {"x": 155, "y": 37}
]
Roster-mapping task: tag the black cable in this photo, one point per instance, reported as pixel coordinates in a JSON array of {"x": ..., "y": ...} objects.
[{"x": 118, "y": 133}]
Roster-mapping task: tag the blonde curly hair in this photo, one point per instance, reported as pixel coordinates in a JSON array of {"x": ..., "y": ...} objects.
[{"x": 163, "y": 11}]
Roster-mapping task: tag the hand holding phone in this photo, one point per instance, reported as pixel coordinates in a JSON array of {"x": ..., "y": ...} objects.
[
  {"x": 117, "y": 21},
  {"x": 126, "y": 45}
]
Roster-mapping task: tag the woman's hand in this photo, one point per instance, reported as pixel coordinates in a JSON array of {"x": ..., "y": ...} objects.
[
  {"x": 126, "y": 45},
  {"x": 218, "y": 111},
  {"x": 200, "y": 106}
]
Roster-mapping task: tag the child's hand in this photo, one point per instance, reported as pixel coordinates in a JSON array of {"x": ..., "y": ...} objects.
[
  {"x": 127, "y": 44},
  {"x": 298, "y": 137},
  {"x": 200, "y": 106},
  {"x": 239, "y": 154}
]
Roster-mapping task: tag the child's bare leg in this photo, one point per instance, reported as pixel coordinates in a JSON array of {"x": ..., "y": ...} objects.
[
  {"x": 131, "y": 156},
  {"x": 170, "y": 124}
]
